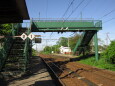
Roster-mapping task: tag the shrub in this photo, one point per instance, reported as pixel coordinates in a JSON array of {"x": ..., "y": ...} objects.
[
  {"x": 34, "y": 52},
  {"x": 109, "y": 53}
]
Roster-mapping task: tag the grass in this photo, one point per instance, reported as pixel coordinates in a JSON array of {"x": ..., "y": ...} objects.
[
  {"x": 102, "y": 63},
  {"x": 46, "y": 53}
]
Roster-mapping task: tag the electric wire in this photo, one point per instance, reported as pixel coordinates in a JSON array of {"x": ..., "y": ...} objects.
[
  {"x": 85, "y": 6},
  {"x": 68, "y": 8},
  {"x": 75, "y": 8},
  {"x": 51, "y": 34},
  {"x": 73, "y": 11},
  {"x": 108, "y": 20},
  {"x": 46, "y": 7},
  {"x": 46, "y": 11},
  {"x": 107, "y": 14}
]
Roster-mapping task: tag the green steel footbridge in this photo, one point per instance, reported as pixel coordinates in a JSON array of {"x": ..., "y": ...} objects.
[{"x": 89, "y": 29}]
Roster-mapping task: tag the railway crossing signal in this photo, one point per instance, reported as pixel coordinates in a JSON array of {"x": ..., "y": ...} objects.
[
  {"x": 31, "y": 36},
  {"x": 24, "y": 36}
]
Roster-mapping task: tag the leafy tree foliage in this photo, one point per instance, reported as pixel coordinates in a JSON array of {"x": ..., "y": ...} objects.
[
  {"x": 73, "y": 40},
  {"x": 5, "y": 29},
  {"x": 109, "y": 53},
  {"x": 49, "y": 49},
  {"x": 63, "y": 41},
  {"x": 34, "y": 52}
]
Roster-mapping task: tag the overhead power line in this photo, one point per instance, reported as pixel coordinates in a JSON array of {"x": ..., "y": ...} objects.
[
  {"x": 85, "y": 6},
  {"x": 107, "y": 14},
  {"x": 46, "y": 8},
  {"x": 76, "y": 8},
  {"x": 51, "y": 34},
  {"x": 73, "y": 10},
  {"x": 68, "y": 8},
  {"x": 109, "y": 20}
]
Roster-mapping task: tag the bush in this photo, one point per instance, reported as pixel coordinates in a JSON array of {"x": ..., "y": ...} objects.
[
  {"x": 5, "y": 29},
  {"x": 34, "y": 52},
  {"x": 102, "y": 63},
  {"x": 109, "y": 53}
]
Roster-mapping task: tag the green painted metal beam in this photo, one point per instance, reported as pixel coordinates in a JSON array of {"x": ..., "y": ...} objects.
[
  {"x": 71, "y": 25},
  {"x": 96, "y": 47},
  {"x": 84, "y": 40},
  {"x": 78, "y": 43},
  {"x": 63, "y": 30}
]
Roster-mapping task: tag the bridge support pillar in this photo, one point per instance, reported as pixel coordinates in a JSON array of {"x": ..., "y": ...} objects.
[{"x": 96, "y": 46}]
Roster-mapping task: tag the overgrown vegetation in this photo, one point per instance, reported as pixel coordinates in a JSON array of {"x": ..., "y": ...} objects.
[
  {"x": 34, "y": 52},
  {"x": 102, "y": 63},
  {"x": 51, "y": 49},
  {"x": 109, "y": 53},
  {"x": 106, "y": 61},
  {"x": 63, "y": 41},
  {"x": 5, "y": 29}
]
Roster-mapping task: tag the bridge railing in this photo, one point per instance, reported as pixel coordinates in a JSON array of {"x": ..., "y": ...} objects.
[{"x": 70, "y": 24}]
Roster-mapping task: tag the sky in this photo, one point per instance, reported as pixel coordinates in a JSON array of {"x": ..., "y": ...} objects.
[{"x": 89, "y": 9}]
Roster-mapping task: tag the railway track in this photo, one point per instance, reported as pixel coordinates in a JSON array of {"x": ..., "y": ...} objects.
[
  {"x": 75, "y": 74},
  {"x": 53, "y": 74},
  {"x": 68, "y": 75}
]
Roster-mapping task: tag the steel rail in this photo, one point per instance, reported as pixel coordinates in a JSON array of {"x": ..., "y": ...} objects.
[
  {"x": 70, "y": 72},
  {"x": 62, "y": 83}
]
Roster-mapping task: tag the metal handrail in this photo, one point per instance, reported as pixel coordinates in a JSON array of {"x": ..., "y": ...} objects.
[
  {"x": 7, "y": 45},
  {"x": 26, "y": 49}
]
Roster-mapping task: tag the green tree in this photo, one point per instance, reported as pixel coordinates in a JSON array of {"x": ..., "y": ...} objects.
[
  {"x": 47, "y": 49},
  {"x": 63, "y": 41},
  {"x": 55, "y": 48},
  {"x": 109, "y": 53},
  {"x": 73, "y": 40},
  {"x": 5, "y": 29},
  {"x": 34, "y": 52}
]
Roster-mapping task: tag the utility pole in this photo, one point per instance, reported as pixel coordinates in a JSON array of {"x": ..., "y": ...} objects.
[
  {"x": 68, "y": 42},
  {"x": 46, "y": 42},
  {"x": 81, "y": 15},
  {"x": 36, "y": 47},
  {"x": 107, "y": 38},
  {"x": 39, "y": 15}
]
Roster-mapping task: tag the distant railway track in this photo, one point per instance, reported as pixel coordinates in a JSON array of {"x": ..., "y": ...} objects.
[{"x": 76, "y": 74}]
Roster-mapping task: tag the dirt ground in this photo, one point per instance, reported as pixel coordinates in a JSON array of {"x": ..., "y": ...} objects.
[
  {"x": 39, "y": 76},
  {"x": 83, "y": 75}
]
